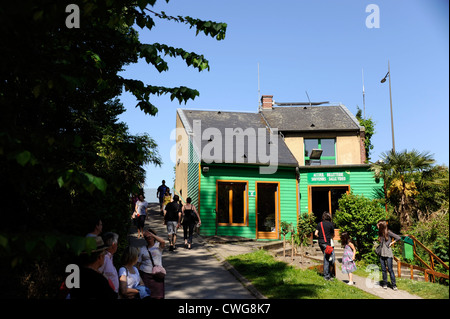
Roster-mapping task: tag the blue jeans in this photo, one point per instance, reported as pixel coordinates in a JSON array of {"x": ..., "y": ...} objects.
[
  {"x": 327, "y": 264},
  {"x": 387, "y": 262}
]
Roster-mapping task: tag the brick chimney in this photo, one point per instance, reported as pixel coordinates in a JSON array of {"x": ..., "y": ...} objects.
[{"x": 267, "y": 102}]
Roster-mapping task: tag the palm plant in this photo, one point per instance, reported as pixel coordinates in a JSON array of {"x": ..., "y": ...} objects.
[{"x": 397, "y": 170}]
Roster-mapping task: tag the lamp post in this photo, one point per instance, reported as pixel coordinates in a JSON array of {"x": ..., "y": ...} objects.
[{"x": 388, "y": 74}]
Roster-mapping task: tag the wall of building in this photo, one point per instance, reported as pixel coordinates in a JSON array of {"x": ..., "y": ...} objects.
[
  {"x": 287, "y": 197},
  {"x": 181, "y": 160},
  {"x": 348, "y": 150},
  {"x": 348, "y": 146},
  {"x": 360, "y": 179}
]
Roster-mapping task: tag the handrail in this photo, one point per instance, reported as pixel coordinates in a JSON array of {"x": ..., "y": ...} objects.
[
  {"x": 429, "y": 270},
  {"x": 426, "y": 271},
  {"x": 431, "y": 254}
]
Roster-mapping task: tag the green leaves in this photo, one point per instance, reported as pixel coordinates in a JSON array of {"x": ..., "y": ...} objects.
[
  {"x": 23, "y": 158},
  {"x": 358, "y": 215},
  {"x": 37, "y": 245},
  {"x": 209, "y": 28},
  {"x": 150, "y": 53},
  {"x": 59, "y": 101},
  {"x": 71, "y": 178},
  {"x": 142, "y": 92}
]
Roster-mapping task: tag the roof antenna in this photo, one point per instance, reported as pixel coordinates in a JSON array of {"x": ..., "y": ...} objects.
[
  {"x": 259, "y": 93},
  {"x": 364, "y": 95},
  {"x": 308, "y": 98}
]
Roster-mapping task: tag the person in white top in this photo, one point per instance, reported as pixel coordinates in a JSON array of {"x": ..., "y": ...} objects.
[
  {"x": 108, "y": 270},
  {"x": 130, "y": 282},
  {"x": 140, "y": 211},
  {"x": 155, "y": 246}
]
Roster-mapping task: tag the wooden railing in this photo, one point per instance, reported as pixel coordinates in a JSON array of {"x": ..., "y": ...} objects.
[{"x": 429, "y": 271}]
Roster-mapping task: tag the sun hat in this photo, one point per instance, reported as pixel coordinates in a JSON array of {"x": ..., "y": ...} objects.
[{"x": 95, "y": 244}]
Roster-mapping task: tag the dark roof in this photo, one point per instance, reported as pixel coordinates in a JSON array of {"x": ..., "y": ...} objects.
[
  {"x": 312, "y": 118},
  {"x": 245, "y": 126}
]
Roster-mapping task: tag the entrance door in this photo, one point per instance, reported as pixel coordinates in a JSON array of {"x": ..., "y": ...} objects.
[
  {"x": 325, "y": 198},
  {"x": 267, "y": 213}
]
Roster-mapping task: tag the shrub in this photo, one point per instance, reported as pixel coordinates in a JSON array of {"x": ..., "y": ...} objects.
[{"x": 358, "y": 216}]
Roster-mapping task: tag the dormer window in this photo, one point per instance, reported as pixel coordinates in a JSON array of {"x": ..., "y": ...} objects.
[{"x": 328, "y": 147}]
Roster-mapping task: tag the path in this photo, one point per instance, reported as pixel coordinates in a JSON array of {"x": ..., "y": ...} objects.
[
  {"x": 373, "y": 287},
  {"x": 195, "y": 273}
]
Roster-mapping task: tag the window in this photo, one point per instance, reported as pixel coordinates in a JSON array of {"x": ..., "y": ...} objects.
[
  {"x": 231, "y": 202},
  {"x": 327, "y": 145}
]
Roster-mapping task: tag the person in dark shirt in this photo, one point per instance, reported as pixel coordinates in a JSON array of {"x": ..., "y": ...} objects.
[
  {"x": 92, "y": 284},
  {"x": 160, "y": 192},
  {"x": 172, "y": 220},
  {"x": 328, "y": 228}
]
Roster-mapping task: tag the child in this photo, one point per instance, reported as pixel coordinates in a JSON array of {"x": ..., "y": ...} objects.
[
  {"x": 167, "y": 198},
  {"x": 348, "y": 259}
]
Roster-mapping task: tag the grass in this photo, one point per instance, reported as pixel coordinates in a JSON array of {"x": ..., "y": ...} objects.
[
  {"x": 426, "y": 290},
  {"x": 278, "y": 280}
]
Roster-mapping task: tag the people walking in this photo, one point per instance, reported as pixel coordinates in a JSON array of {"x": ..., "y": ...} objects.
[
  {"x": 160, "y": 193},
  {"x": 150, "y": 256},
  {"x": 325, "y": 234},
  {"x": 172, "y": 220},
  {"x": 190, "y": 217},
  {"x": 141, "y": 213},
  {"x": 348, "y": 258},
  {"x": 167, "y": 198},
  {"x": 384, "y": 251}
]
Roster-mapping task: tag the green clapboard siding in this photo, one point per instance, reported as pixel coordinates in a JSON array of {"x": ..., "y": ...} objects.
[
  {"x": 360, "y": 179},
  {"x": 287, "y": 192},
  {"x": 193, "y": 175}
]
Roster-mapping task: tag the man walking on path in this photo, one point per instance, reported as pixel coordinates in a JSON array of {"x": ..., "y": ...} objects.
[
  {"x": 160, "y": 193},
  {"x": 172, "y": 219}
]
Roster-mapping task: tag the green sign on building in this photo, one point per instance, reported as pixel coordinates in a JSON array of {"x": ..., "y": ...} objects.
[{"x": 329, "y": 178}]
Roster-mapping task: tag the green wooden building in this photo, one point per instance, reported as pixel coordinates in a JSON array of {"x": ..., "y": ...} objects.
[{"x": 247, "y": 172}]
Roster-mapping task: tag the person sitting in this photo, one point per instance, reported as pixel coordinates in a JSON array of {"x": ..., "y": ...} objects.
[
  {"x": 131, "y": 284},
  {"x": 92, "y": 284},
  {"x": 108, "y": 270}
]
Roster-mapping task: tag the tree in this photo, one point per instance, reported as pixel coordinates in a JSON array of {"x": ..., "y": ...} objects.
[
  {"x": 399, "y": 169},
  {"x": 64, "y": 156},
  {"x": 433, "y": 192},
  {"x": 286, "y": 228},
  {"x": 305, "y": 227},
  {"x": 358, "y": 216}
]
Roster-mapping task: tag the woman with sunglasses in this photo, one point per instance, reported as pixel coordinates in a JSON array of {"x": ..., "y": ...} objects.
[{"x": 149, "y": 255}]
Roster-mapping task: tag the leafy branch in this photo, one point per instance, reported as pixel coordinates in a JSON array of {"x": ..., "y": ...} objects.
[{"x": 209, "y": 28}]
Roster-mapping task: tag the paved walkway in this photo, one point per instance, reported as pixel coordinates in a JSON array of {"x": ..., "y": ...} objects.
[
  {"x": 203, "y": 273},
  {"x": 373, "y": 287},
  {"x": 195, "y": 273}
]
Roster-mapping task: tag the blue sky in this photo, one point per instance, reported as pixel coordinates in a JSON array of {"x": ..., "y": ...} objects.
[{"x": 307, "y": 45}]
